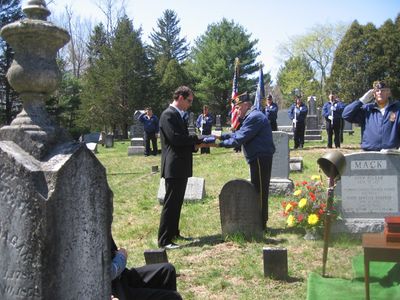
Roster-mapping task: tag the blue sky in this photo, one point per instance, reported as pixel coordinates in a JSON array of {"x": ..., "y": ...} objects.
[{"x": 271, "y": 22}]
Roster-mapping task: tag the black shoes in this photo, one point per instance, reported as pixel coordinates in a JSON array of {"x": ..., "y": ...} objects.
[{"x": 187, "y": 239}]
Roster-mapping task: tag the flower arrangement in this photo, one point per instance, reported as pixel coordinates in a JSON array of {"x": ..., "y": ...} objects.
[{"x": 307, "y": 209}]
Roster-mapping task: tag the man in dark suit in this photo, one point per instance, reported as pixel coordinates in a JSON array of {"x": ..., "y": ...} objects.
[{"x": 176, "y": 164}]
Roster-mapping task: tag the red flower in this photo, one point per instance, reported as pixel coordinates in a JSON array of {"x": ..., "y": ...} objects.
[
  {"x": 304, "y": 182},
  {"x": 300, "y": 218},
  {"x": 312, "y": 196}
]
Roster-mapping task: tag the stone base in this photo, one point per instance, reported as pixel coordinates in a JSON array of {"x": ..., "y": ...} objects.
[
  {"x": 280, "y": 186},
  {"x": 358, "y": 225},
  {"x": 296, "y": 164},
  {"x": 135, "y": 150}
]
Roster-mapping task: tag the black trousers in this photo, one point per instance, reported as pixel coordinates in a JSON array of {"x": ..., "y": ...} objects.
[
  {"x": 274, "y": 125},
  {"x": 152, "y": 282},
  {"x": 205, "y": 150},
  {"x": 298, "y": 134},
  {"x": 260, "y": 176},
  {"x": 334, "y": 130},
  {"x": 169, "y": 222},
  {"x": 150, "y": 136}
]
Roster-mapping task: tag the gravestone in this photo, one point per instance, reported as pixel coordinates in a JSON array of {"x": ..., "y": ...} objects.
[
  {"x": 313, "y": 131},
  {"x": 280, "y": 184},
  {"x": 137, "y": 133},
  {"x": 296, "y": 164},
  {"x": 109, "y": 141},
  {"x": 195, "y": 190},
  {"x": 191, "y": 127},
  {"x": 347, "y": 127},
  {"x": 368, "y": 191},
  {"x": 284, "y": 122},
  {"x": 218, "y": 126},
  {"x": 240, "y": 210},
  {"x": 56, "y": 205}
]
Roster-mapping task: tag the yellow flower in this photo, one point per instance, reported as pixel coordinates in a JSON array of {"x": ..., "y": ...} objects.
[
  {"x": 290, "y": 221},
  {"x": 288, "y": 207},
  {"x": 312, "y": 219},
  {"x": 297, "y": 193},
  {"x": 302, "y": 202},
  {"x": 315, "y": 177}
]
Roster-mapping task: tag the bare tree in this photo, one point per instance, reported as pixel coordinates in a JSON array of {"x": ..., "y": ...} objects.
[{"x": 113, "y": 10}]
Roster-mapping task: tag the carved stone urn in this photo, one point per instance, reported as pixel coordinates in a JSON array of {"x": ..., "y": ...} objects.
[{"x": 34, "y": 74}]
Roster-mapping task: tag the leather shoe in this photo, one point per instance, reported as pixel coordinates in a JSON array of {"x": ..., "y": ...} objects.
[{"x": 171, "y": 246}]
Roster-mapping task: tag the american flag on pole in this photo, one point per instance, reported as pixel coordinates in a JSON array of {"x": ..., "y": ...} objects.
[
  {"x": 235, "y": 92},
  {"x": 260, "y": 94}
]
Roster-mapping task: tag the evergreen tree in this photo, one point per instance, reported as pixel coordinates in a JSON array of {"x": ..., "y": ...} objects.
[
  {"x": 358, "y": 61},
  {"x": 213, "y": 63},
  {"x": 296, "y": 73},
  {"x": 115, "y": 84},
  {"x": 167, "y": 52},
  {"x": 166, "y": 42},
  {"x": 10, "y": 11}
]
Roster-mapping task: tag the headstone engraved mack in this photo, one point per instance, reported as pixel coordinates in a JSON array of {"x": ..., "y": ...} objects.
[
  {"x": 280, "y": 184},
  {"x": 137, "y": 133},
  {"x": 369, "y": 191},
  {"x": 240, "y": 209},
  {"x": 56, "y": 205}
]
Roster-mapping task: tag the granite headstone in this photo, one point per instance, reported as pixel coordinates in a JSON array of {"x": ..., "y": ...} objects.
[
  {"x": 195, "y": 190},
  {"x": 137, "y": 141},
  {"x": 280, "y": 184},
  {"x": 240, "y": 210},
  {"x": 368, "y": 191}
]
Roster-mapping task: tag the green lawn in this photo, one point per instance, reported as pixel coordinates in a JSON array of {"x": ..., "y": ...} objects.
[{"x": 213, "y": 268}]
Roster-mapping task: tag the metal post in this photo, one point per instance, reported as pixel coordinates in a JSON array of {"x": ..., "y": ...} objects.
[{"x": 327, "y": 230}]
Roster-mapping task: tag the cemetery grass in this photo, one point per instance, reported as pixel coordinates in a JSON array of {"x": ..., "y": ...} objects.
[{"x": 212, "y": 268}]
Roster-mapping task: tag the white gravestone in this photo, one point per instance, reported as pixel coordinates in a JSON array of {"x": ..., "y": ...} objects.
[{"x": 195, "y": 190}]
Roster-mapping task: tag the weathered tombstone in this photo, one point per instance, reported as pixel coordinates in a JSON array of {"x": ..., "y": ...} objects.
[
  {"x": 56, "y": 205},
  {"x": 348, "y": 127},
  {"x": 191, "y": 127},
  {"x": 155, "y": 256},
  {"x": 137, "y": 133},
  {"x": 284, "y": 123},
  {"x": 218, "y": 126},
  {"x": 275, "y": 263},
  {"x": 280, "y": 184},
  {"x": 109, "y": 141},
  {"x": 296, "y": 164},
  {"x": 195, "y": 190},
  {"x": 240, "y": 210},
  {"x": 369, "y": 191},
  {"x": 313, "y": 131}
]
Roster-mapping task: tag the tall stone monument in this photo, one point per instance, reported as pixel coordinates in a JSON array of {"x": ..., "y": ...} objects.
[
  {"x": 137, "y": 133},
  {"x": 55, "y": 203},
  {"x": 313, "y": 130}
]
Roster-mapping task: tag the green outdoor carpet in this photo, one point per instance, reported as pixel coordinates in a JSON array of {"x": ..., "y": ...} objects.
[{"x": 384, "y": 283}]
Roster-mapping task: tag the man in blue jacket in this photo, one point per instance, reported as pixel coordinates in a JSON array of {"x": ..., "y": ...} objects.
[
  {"x": 271, "y": 111},
  {"x": 332, "y": 112},
  {"x": 298, "y": 113},
  {"x": 151, "y": 129},
  {"x": 255, "y": 135},
  {"x": 204, "y": 123},
  {"x": 379, "y": 120}
]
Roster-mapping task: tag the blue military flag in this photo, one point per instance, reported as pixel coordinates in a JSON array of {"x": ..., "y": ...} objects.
[{"x": 260, "y": 94}]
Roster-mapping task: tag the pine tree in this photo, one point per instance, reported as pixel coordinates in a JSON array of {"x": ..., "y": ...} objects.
[
  {"x": 10, "y": 11},
  {"x": 213, "y": 63},
  {"x": 166, "y": 42}
]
